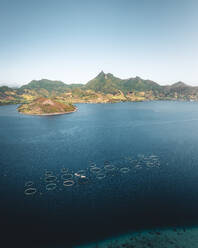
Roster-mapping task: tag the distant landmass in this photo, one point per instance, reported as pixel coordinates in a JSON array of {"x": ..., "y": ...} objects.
[
  {"x": 46, "y": 106},
  {"x": 104, "y": 88}
]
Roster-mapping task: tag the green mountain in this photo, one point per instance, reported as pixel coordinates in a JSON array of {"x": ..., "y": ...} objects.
[
  {"x": 179, "y": 84},
  {"x": 107, "y": 83},
  {"x": 181, "y": 90},
  {"x": 103, "y": 88},
  {"x": 4, "y": 89},
  {"x": 44, "y": 84},
  {"x": 48, "y": 86},
  {"x": 138, "y": 84},
  {"x": 8, "y": 95}
]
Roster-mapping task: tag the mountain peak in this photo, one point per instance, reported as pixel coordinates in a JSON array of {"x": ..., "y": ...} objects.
[
  {"x": 179, "y": 84},
  {"x": 104, "y": 76},
  {"x": 138, "y": 77},
  {"x": 101, "y": 74}
]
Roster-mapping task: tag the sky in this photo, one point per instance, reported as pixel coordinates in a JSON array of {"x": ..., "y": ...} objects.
[{"x": 73, "y": 40}]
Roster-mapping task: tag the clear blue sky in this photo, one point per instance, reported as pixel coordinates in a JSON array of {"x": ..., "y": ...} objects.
[{"x": 73, "y": 40}]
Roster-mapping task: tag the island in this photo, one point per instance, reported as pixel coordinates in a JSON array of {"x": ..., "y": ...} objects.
[{"x": 46, "y": 106}]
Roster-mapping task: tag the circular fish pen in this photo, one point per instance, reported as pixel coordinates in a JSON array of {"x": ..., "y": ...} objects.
[
  {"x": 92, "y": 164},
  {"x": 95, "y": 170},
  {"x": 51, "y": 186},
  {"x": 124, "y": 170},
  {"x": 67, "y": 176},
  {"x": 50, "y": 179},
  {"x": 30, "y": 191},
  {"x": 68, "y": 183},
  {"x": 138, "y": 166},
  {"x": 64, "y": 170},
  {"x": 29, "y": 184},
  {"x": 106, "y": 162},
  {"x": 49, "y": 173},
  {"x": 100, "y": 176},
  {"x": 109, "y": 167}
]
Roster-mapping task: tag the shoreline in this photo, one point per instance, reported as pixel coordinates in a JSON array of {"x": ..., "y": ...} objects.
[
  {"x": 103, "y": 102},
  {"x": 160, "y": 100},
  {"x": 175, "y": 236},
  {"x": 50, "y": 114}
]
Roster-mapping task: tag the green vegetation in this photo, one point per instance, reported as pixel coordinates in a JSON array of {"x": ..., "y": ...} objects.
[
  {"x": 103, "y": 88},
  {"x": 109, "y": 84},
  {"x": 105, "y": 83}
]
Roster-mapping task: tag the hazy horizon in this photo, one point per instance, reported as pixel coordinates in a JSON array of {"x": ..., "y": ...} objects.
[{"x": 73, "y": 41}]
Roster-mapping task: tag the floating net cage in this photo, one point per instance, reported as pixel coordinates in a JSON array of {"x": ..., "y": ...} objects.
[
  {"x": 95, "y": 170},
  {"x": 48, "y": 173},
  {"x": 93, "y": 173},
  {"x": 67, "y": 176},
  {"x": 106, "y": 162},
  {"x": 64, "y": 170},
  {"x": 30, "y": 191},
  {"x": 29, "y": 184},
  {"x": 50, "y": 186},
  {"x": 50, "y": 179},
  {"x": 68, "y": 183},
  {"x": 124, "y": 170},
  {"x": 92, "y": 163},
  {"x": 109, "y": 167},
  {"x": 100, "y": 176}
]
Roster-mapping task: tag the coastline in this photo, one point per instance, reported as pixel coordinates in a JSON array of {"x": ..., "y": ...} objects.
[
  {"x": 109, "y": 102},
  {"x": 78, "y": 102},
  {"x": 50, "y": 114},
  {"x": 159, "y": 237}
]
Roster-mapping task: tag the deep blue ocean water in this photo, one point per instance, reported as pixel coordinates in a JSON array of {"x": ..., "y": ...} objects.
[{"x": 145, "y": 160}]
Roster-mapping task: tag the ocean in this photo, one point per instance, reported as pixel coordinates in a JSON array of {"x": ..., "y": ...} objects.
[{"x": 101, "y": 172}]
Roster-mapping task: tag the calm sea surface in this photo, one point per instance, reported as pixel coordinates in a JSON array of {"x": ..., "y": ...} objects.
[{"x": 101, "y": 171}]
